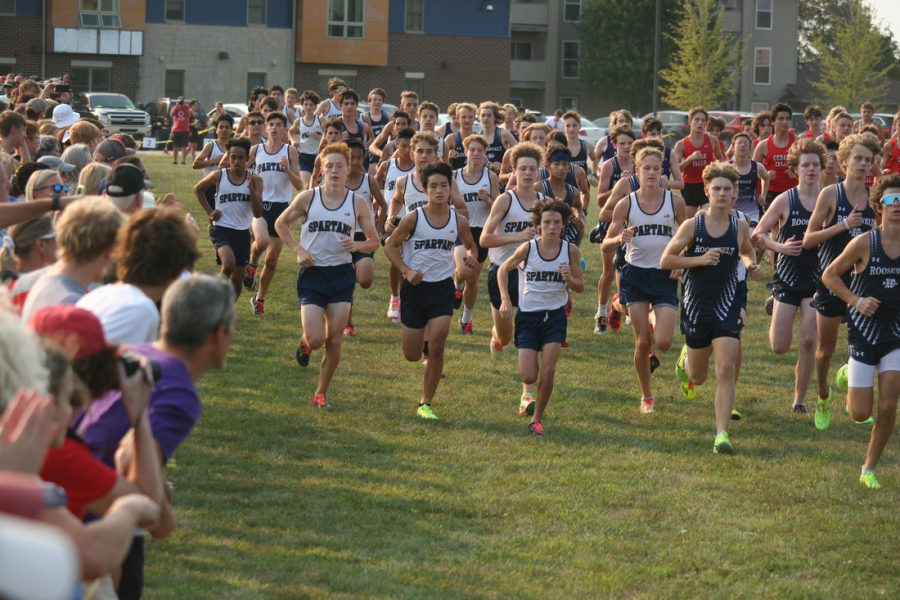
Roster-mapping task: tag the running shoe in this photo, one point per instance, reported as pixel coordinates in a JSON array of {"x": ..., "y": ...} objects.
[
  {"x": 822, "y": 418},
  {"x": 349, "y": 331},
  {"x": 599, "y": 325},
  {"x": 654, "y": 362},
  {"x": 536, "y": 428},
  {"x": 258, "y": 305},
  {"x": 393, "y": 311},
  {"x": 565, "y": 344},
  {"x": 615, "y": 317},
  {"x": 466, "y": 327},
  {"x": 687, "y": 386},
  {"x": 570, "y": 305},
  {"x": 250, "y": 277},
  {"x": 526, "y": 404},
  {"x": 770, "y": 305},
  {"x": 735, "y": 415},
  {"x": 319, "y": 401},
  {"x": 302, "y": 353},
  {"x": 722, "y": 445},
  {"x": 868, "y": 479},
  {"x": 840, "y": 379},
  {"x": 496, "y": 348},
  {"x": 424, "y": 411},
  {"x": 457, "y": 298},
  {"x": 689, "y": 390},
  {"x": 799, "y": 409},
  {"x": 647, "y": 405}
]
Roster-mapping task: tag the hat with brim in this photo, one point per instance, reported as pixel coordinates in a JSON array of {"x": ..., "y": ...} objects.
[
  {"x": 64, "y": 116},
  {"x": 57, "y": 164},
  {"x": 66, "y": 322},
  {"x": 126, "y": 180}
]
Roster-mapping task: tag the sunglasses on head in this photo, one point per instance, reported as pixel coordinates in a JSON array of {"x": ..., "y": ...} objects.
[{"x": 890, "y": 199}]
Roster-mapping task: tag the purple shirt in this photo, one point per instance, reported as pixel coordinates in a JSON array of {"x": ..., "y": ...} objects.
[{"x": 174, "y": 409}]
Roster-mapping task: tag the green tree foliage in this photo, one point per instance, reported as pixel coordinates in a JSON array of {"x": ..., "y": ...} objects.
[
  {"x": 617, "y": 50},
  {"x": 850, "y": 62},
  {"x": 701, "y": 71},
  {"x": 818, "y": 21}
]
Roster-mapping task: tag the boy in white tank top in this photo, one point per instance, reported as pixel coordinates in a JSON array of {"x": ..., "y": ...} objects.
[
  {"x": 548, "y": 267},
  {"x": 427, "y": 236},
  {"x": 235, "y": 205},
  {"x": 306, "y": 132},
  {"x": 330, "y": 214}
]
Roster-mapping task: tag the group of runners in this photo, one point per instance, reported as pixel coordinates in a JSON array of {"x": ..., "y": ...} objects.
[{"x": 492, "y": 185}]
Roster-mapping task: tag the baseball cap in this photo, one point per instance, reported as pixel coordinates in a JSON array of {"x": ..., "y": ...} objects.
[
  {"x": 126, "y": 180},
  {"x": 57, "y": 164},
  {"x": 70, "y": 322},
  {"x": 110, "y": 150},
  {"x": 64, "y": 116}
]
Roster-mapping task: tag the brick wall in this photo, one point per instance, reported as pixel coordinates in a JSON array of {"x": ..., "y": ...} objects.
[
  {"x": 455, "y": 68},
  {"x": 19, "y": 36}
]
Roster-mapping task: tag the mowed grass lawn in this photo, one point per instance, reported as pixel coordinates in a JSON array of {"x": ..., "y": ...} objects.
[{"x": 276, "y": 500}]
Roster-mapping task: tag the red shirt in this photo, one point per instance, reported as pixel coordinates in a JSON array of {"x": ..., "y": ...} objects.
[
  {"x": 181, "y": 118},
  {"x": 694, "y": 171},
  {"x": 892, "y": 164},
  {"x": 776, "y": 160},
  {"x": 73, "y": 468}
]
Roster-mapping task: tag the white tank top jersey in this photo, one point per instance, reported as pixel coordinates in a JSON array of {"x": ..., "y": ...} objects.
[
  {"x": 429, "y": 249},
  {"x": 324, "y": 228},
  {"x": 364, "y": 189},
  {"x": 394, "y": 173},
  {"x": 515, "y": 220},
  {"x": 233, "y": 200},
  {"x": 291, "y": 112},
  {"x": 333, "y": 110},
  {"x": 413, "y": 197},
  {"x": 308, "y": 136},
  {"x": 653, "y": 232},
  {"x": 478, "y": 209},
  {"x": 541, "y": 285},
  {"x": 276, "y": 185},
  {"x": 215, "y": 154}
]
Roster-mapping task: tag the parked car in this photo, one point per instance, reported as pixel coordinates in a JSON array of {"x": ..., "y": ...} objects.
[
  {"x": 602, "y": 123},
  {"x": 590, "y": 132},
  {"x": 798, "y": 124},
  {"x": 674, "y": 125},
  {"x": 363, "y": 107},
  {"x": 879, "y": 120},
  {"x": 888, "y": 120},
  {"x": 236, "y": 109},
  {"x": 116, "y": 112},
  {"x": 159, "y": 109}
]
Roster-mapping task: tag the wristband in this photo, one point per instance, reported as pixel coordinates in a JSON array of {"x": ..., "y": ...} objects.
[
  {"x": 846, "y": 224},
  {"x": 54, "y": 202}
]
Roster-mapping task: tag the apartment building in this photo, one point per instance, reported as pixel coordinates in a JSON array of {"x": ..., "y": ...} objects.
[{"x": 545, "y": 53}]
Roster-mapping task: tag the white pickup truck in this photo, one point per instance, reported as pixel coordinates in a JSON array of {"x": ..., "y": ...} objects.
[{"x": 115, "y": 111}]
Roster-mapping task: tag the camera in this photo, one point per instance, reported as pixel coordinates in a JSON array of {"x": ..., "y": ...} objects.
[{"x": 132, "y": 365}]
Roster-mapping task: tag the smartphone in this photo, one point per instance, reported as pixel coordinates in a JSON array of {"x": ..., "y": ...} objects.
[
  {"x": 55, "y": 95},
  {"x": 61, "y": 87}
]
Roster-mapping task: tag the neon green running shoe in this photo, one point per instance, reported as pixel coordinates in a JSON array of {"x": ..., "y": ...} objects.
[
  {"x": 868, "y": 421},
  {"x": 868, "y": 479},
  {"x": 424, "y": 411},
  {"x": 722, "y": 445},
  {"x": 680, "y": 373},
  {"x": 841, "y": 378},
  {"x": 526, "y": 404},
  {"x": 822, "y": 418}
]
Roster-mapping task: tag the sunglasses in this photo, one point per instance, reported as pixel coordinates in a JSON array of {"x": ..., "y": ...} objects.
[
  {"x": 254, "y": 122},
  {"x": 890, "y": 199},
  {"x": 56, "y": 187}
]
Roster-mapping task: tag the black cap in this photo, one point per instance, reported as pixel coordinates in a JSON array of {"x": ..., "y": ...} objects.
[{"x": 126, "y": 180}]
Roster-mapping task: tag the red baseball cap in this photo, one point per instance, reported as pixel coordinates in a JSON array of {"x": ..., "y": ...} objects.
[{"x": 67, "y": 322}]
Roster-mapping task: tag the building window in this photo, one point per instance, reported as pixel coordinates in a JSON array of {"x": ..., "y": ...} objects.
[
  {"x": 568, "y": 103},
  {"x": 571, "y": 11},
  {"x": 415, "y": 16},
  {"x": 520, "y": 50},
  {"x": 345, "y": 18},
  {"x": 100, "y": 13},
  {"x": 256, "y": 12},
  {"x": 570, "y": 59},
  {"x": 255, "y": 80},
  {"x": 415, "y": 82},
  {"x": 7, "y": 7},
  {"x": 174, "y": 84},
  {"x": 762, "y": 66},
  {"x": 91, "y": 79},
  {"x": 174, "y": 10},
  {"x": 764, "y": 14},
  {"x": 348, "y": 75}
]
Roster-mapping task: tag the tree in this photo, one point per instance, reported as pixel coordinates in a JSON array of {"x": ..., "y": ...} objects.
[
  {"x": 818, "y": 20},
  {"x": 850, "y": 71},
  {"x": 617, "y": 50},
  {"x": 702, "y": 69}
]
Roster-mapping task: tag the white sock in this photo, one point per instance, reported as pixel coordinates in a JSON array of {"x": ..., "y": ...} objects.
[
  {"x": 602, "y": 311},
  {"x": 397, "y": 298},
  {"x": 467, "y": 314}
]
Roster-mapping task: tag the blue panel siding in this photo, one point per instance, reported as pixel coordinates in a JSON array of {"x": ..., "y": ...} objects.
[
  {"x": 230, "y": 13},
  {"x": 156, "y": 11},
  {"x": 28, "y": 8},
  {"x": 460, "y": 17}
]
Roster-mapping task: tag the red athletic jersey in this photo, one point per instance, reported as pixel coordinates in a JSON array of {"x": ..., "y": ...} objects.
[
  {"x": 892, "y": 164},
  {"x": 694, "y": 171},
  {"x": 776, "y": 160}
]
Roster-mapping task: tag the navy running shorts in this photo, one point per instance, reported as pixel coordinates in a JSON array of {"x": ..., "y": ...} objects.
[
  {"x": 494, "y": 287},
  {"x": 536, "y": 329},
  {"x": 322, "y": 286},
  {"x": 271, "y": 212},
  {"x": 653, "y": 286},
  {"x": 694, "y": 194},
  {"x": 236, "y": 239},
  {"x": 425, "y": 301}
]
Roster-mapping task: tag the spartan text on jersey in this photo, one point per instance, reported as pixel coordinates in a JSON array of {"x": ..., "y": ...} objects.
[
  {"x": 433, "y": 245},
  {"x": 233, "y": 197},
  {"x": 544, "y": 276},
  {"x": 324, "y": 226}
]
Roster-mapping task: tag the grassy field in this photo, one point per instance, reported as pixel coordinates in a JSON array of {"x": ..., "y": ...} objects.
[{"x": 276, "y": 500}]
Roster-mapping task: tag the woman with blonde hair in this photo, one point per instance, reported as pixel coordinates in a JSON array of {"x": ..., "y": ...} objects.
[
  {"x": 40, "y": 184},
  {"x": 78, "y": 155},
  {"x": 92, "y": 179}
]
